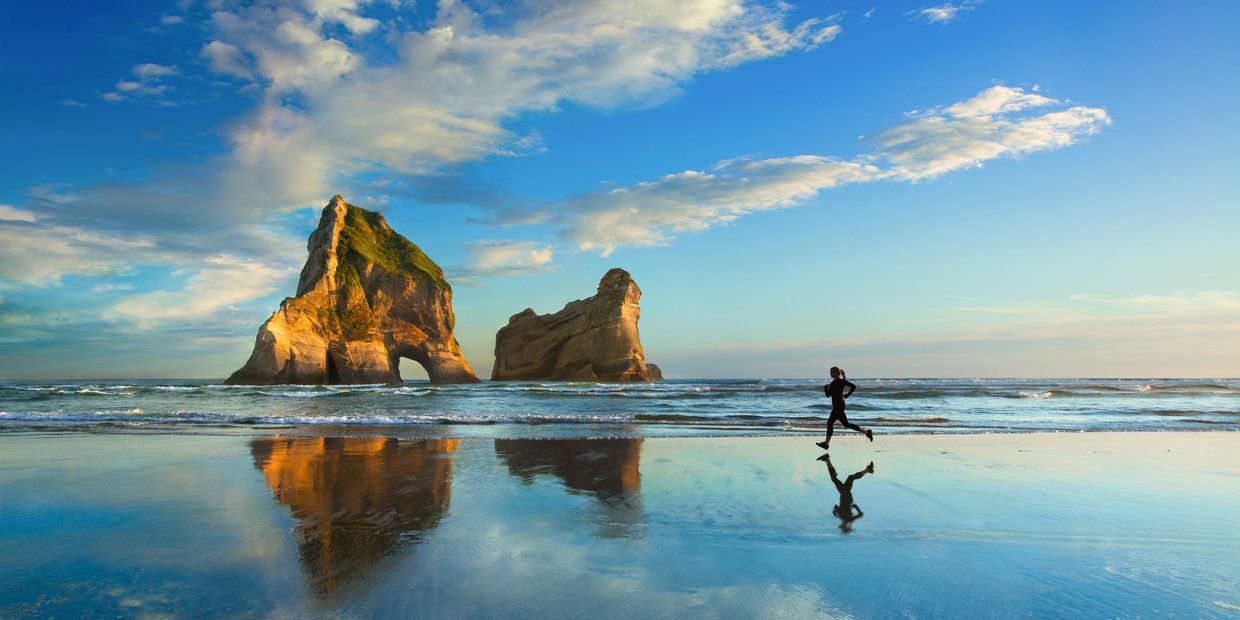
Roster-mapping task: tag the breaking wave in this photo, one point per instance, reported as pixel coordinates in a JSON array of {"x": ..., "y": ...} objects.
[{"x": 1046, "y": 394}]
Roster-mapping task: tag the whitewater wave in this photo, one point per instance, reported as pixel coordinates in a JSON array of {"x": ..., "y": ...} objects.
[
  {"x": 929, "y": 420},
  {"x": 306, "y": 394},
  {"x": 96, "y": 392}
]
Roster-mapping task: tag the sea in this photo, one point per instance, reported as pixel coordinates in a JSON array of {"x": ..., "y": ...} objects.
[{"x": 668, "y": 408}]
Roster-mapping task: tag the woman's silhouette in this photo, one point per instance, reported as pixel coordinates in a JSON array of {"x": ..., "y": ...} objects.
[
  {"x": 835, "y": 390},
  {"x": 847, "y": 510}
]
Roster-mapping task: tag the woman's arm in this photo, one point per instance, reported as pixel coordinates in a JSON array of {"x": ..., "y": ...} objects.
[{"x": 852, "y": 387}]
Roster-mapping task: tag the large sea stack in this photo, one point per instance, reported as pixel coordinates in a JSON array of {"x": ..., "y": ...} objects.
[
  {"x": 367, "y": 297},
  {"x": 593, "y": 339}
]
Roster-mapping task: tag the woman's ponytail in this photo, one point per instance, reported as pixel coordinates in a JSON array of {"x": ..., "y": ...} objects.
[{"x": 843, "y": 375}]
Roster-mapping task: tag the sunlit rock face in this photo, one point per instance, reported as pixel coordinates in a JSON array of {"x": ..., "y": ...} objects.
[
  {"x": 607, "y": 469},
  {"x": 366, "y": 298},
  {"x": 592, "y": 339},
  {"x": 356, "y": 500}
]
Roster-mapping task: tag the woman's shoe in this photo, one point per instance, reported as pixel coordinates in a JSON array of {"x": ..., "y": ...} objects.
[
  {"x": 870, "y": 435},
  {"x": 824, "y": 445}
]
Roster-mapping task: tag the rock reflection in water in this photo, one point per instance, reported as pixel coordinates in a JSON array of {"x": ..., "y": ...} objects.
[
  {"x": 356, "y": 500},
  {"x": 604, "y": 468}
]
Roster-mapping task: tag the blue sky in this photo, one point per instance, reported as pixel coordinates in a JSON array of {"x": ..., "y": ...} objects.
[{"x": 899, "y": 188}]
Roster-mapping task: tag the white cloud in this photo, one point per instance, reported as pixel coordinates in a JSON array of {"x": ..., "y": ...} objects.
[
  {"x": 1223, "y": 303},
  {"x": 343, "y": 12},
  {"x": 650, "y": 213},
  {"x": 985, "y": 127},
  {"x": 223, "y": 282},
  {"x": 148, "y": 83},
  {"x": 771, "y": 39},
  {"x": 498, "y": 255},
  {"x": 34, "y": 254},
  {"x": 54, "y": 193},
  {"x": 942, "y": 14},
  {"x": 124, "y": 86},
  {"x": 455, "y": 84},
  {"x": 504, "y": 258},
  {"x": 998, "y": 100},
  {"x": 71, "y": 103},
  {"x": 9, "y": 213},
  {"x": 171, "y": 20},
  {"x": 225, "y": 58},
  {"x": 108, "y": 287},
  {"x": 290, "y": 51},
  {"x": 150, "y": 70},
  {"x": 1000, "y": 121}
]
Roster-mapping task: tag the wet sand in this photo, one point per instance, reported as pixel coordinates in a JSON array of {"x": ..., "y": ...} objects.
[{"x": 255, "y": 524}]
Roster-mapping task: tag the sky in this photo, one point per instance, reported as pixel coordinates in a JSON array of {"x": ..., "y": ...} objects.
[{"x": 966, "y": 189}]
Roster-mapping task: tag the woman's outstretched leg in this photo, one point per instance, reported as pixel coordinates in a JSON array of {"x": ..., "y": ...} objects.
[{"x": 869, "y": 434}]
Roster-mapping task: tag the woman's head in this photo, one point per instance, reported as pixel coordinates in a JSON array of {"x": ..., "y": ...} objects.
[{"x": 837, "y": 372}]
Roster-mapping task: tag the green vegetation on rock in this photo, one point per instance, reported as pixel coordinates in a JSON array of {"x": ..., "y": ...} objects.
[
  {"x": 355, "y": 320},
  {"x": 367, "y": 235}
]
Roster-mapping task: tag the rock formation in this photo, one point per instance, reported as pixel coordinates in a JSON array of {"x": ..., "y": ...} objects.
[
  {"x": 592, "y": 339},
  {"x": 367, "y": 297}
]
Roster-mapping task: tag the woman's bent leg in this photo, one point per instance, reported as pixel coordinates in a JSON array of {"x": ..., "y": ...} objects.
[{"x": 844, "y": 421}]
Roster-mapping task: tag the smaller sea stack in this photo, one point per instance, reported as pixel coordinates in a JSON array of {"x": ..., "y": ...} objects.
[{"x": 592, "y": 339}]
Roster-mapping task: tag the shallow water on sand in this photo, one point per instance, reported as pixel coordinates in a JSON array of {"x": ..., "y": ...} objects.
[
  {"x": 671, "y": 408},
  {"x": 241, "y": 524}
]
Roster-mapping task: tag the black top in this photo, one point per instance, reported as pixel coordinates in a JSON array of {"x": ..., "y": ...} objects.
[{"x": 835, "y": 390}]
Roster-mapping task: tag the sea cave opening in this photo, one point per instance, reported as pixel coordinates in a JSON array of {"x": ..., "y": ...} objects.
[
  {"x": 333, "y": 373},
  {"x": 409, "y": 369}
]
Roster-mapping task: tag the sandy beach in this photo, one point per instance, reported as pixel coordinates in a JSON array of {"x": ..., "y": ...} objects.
[{"x": 260, "y": 524}]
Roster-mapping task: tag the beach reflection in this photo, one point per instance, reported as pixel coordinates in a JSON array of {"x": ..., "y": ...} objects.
[
  {"x": 847, "y": 510},
  {"x": 356, "y": 500},
  {"x": 607, "y": 469}
]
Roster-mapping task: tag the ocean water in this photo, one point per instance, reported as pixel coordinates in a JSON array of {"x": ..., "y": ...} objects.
[{"x": 670, "y": 408}]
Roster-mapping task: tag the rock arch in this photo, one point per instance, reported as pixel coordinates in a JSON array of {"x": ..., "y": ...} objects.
[{"x": 366, "y": 298}]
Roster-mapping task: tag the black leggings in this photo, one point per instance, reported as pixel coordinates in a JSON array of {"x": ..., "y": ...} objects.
[{"x": 837, "y": 415}]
